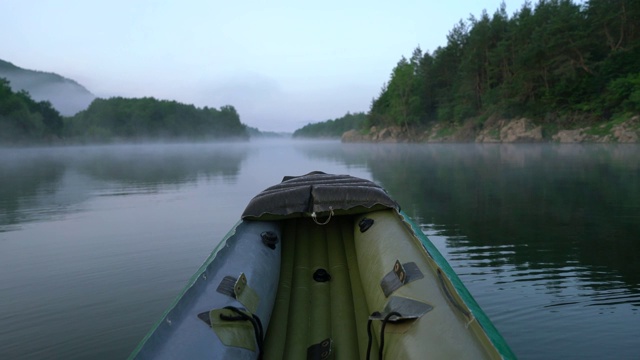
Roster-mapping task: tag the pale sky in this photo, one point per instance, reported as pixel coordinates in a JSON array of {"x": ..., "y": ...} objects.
[{"x": 281, "y": 64}]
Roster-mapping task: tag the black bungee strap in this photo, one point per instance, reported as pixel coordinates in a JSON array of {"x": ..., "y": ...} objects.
[
  {"x": 253, "y": 319},
  {"x": 384, "y": 324}
]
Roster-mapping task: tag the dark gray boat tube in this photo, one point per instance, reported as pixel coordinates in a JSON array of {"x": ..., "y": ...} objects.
[{"x": 183, "y": 334}]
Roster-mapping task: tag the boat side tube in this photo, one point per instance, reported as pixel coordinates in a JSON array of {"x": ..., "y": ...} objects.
[
  {"x": 185, "y": 330},
  {"x": 452, "y": 280},
  {"x": 445, "y": 322}
]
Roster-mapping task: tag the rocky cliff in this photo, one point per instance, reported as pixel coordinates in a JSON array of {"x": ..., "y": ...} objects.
[{"x": 501, "y": 131}]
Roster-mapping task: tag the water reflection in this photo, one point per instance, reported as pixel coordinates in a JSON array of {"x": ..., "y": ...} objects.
[
  {"x": 152, "y": 166},
  {"x": 532, "y": 207},
  {"x": 37, "y": 184},
  {"x": 24, "y": 182}
]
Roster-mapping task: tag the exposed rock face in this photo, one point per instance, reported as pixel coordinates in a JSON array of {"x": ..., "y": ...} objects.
[
  {"x": 490, "y": 132},
  {"x": 510, "y": 131},
  {"x": 392, "y": 134},
  {"x": 488, "y": 136},
  {"x": 625, "y": 132},
  {"x": 521, "y": 130},
  {"x": 438, "y": 133},
  {"x": 497, "y": 130},
  {"x": 354, "y": 136},
  {"x": 570, "y": 136}
]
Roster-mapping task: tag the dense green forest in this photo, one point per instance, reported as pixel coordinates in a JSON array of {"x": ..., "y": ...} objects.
[
  {"x": 332, "y": 128},
  {"x": 556, "y": 62},
  {"x": 149, "y": 118},
  {"x": 24, "y": 120}
]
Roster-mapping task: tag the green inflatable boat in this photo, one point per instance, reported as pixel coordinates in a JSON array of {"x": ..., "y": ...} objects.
[{"x": 324, "y": 267}]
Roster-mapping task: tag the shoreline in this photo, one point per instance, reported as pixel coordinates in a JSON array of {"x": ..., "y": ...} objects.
[{"x": 522, "y": 130}]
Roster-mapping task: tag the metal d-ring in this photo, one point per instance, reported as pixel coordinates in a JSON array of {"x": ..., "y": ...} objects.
[{"x": 313, "y": 216}]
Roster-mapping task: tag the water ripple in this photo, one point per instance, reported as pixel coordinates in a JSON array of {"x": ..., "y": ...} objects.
[{"x": 489, "y": 269}]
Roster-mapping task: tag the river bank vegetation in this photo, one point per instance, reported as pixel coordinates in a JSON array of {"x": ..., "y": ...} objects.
[
  {"x": 333, "y": 128},
  {"x": 25, "y": 121},
  {"x": 149, "y": 118},
  {"x": 559, "y": 64}
]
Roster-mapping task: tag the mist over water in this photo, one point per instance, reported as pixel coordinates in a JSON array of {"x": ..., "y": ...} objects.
[{"x": 96, "y": 241}]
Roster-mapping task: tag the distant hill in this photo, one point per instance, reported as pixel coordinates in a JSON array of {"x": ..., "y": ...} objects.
[
  {"x": 332, "y": 128},
  {"x": 257, "y": 133},
  {"x": 66, "y": 95},
  {"x": 141, "y": 119}
]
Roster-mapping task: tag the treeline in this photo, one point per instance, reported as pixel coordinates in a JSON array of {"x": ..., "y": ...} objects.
[
  {"x": 556, "y": 62},
  {"x": 332, "y": 128},
  {"x": 149, "y": 118},
  {"x": 24, "y": 120}
]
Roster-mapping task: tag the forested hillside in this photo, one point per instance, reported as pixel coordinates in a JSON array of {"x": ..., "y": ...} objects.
[
  {"x": 23, "y": 119},
  {"x": 333, "y": 128},
  {"x": 557, "y": 62},
  {"x": 149, "y": 118}
]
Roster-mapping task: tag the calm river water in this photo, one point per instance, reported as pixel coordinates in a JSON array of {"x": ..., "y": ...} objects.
[{"x": 95, "y": 242}]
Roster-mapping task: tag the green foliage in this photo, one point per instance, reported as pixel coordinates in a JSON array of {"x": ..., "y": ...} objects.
[
  {"x": 24, "y": 120},
  {"x": 550, "y": 61},
  {"x": 148, "y": 118},
  {"x": 623, "y": 94},
  {"x": 332, "y": 128}
]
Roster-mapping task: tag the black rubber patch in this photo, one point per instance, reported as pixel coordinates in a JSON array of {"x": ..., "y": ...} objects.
[
  {"x": 320, "y": 351},
  {"x": 270, "y": 239},
  {"x": 365, "y": 224},
  {"x": 321, "y": 275}
]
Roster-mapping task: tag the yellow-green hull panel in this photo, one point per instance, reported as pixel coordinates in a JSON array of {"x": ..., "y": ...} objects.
[{"x": 307, "y": 312}]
